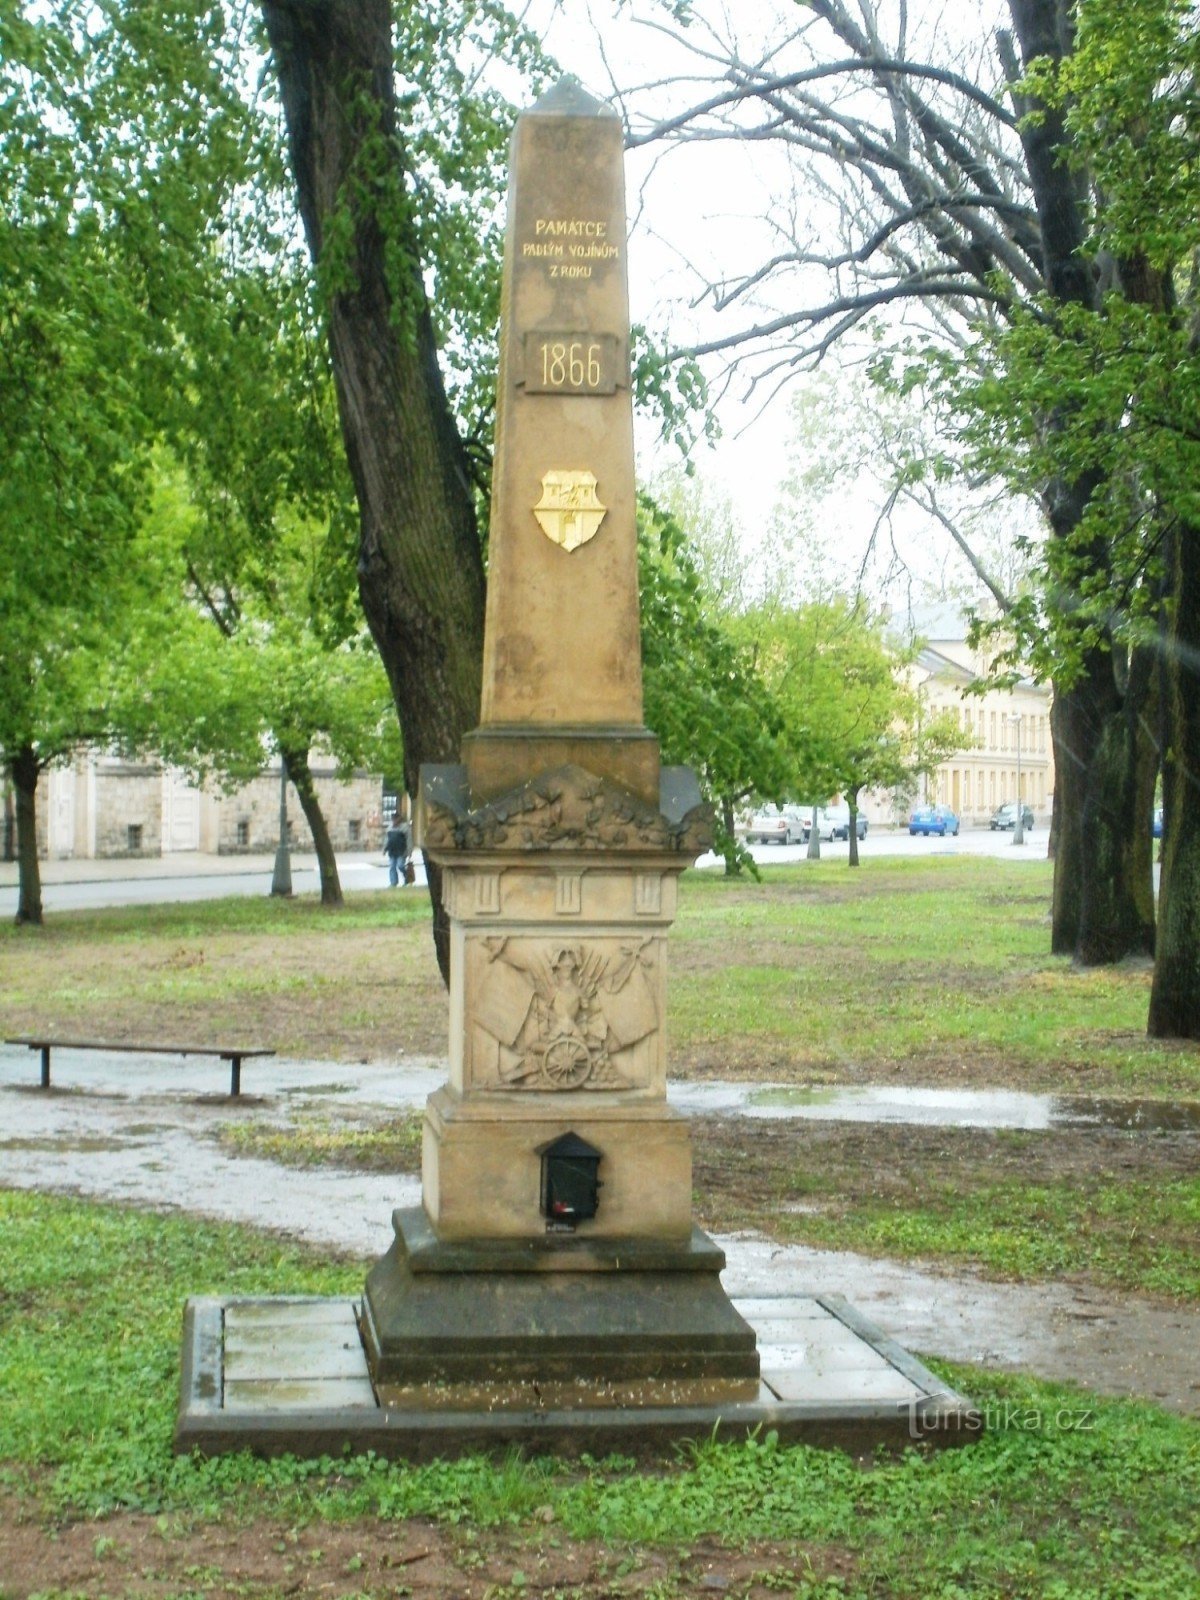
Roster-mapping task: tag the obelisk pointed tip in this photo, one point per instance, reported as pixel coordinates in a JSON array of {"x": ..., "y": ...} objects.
[{"x": 568, "y": 98}]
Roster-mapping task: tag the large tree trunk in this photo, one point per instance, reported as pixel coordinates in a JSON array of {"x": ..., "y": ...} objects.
[
  {"x": 852, "y": 802},
  {"x": 298, "y": 771},
  {"x": 420, "y": 566},
  {"x": 1175, "y": 995},
  {"x": 1097, "y": 915},
  {"x": 25, "y": 769},
  {"x": 1142, "y": 711}
]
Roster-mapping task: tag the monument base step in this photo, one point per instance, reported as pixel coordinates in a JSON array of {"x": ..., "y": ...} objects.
[
  {"x": 491, "y": 1325},
  {"x": 289, "y": 1375}
]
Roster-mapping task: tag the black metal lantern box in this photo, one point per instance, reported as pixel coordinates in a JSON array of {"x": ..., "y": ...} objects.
[{"x": 570, "y": 1185}]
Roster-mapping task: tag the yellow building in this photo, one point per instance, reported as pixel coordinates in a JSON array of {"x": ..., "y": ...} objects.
[{"x": 1006, "y": 732}]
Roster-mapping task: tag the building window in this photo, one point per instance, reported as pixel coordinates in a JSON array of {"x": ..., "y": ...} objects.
[
  {"x": 134, "y": 832},
  {"x": 993, "y": 739},
  {"x": 354, "y": 829},
  {"x": 243, "y": 834}
]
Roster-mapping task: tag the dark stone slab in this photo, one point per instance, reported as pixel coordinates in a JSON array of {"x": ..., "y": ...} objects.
[
  {"x": 551, "y": 1252},
  {"x": 665, "y": 1322}
]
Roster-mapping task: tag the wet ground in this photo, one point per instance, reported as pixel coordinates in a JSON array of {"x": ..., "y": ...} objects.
[
  {"x": 143, "y": 1130},
  {"x": 941, "y": 1108}
]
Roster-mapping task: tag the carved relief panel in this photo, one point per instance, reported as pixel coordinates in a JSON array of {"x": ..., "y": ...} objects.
[{"x": 546, "y": 1015}]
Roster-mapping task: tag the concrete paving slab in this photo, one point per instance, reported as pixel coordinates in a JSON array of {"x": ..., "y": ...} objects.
[
  {"x": 790, "y": 1307},
  {"x": 842, "y": 1386},
  {"x": 271, "y": 1397},
  {"x": 290, "y": 1361},
  {"x": 848, "y": 1357},
  {"x": 246, "y": 1316},
  {"x": 798, "y": 1330}
]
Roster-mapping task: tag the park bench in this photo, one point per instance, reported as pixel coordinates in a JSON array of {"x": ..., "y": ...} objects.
[{"x": 234, "y": 1054}]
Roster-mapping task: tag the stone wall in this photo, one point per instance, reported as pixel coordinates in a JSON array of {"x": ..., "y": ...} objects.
[
  {"x": 247, "y": 821},
  {"x": 104, "y": 806},
  {"x": 128, "y": 809}
]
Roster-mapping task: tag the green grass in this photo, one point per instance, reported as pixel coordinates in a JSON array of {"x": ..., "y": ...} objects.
[
  {"x": 1129, "y": 1236},
  {"x": 1117, "y": 1209},
  {"x": 1062, "y": 1497},
  {"x": 315, "y": 1141},
  {"x": 913, "y": 970}
]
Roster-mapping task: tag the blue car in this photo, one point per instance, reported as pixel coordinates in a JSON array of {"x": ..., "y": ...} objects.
[{"x": 933, "y": 819}]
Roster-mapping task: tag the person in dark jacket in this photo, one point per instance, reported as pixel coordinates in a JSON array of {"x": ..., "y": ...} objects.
[{"x": 396, "y": 848}]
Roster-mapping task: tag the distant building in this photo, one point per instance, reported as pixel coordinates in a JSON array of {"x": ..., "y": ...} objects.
[
  {"x": 983, "y": 775},
  {"x": 103, "y": 805}
]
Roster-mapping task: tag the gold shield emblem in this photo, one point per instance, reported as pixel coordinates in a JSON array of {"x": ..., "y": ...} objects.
[{"x": 569, "y": 511}]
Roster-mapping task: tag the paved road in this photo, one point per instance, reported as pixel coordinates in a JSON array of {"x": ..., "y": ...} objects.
[{"x": 78, "y": 885}]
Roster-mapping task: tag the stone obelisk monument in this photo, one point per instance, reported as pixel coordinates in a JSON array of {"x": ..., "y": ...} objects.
[{"x": 554, "y": 1261}]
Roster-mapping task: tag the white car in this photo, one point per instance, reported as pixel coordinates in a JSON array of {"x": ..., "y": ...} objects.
[
  {"x": 826, "y": 823},
  {"x": 778, "y": 825}
]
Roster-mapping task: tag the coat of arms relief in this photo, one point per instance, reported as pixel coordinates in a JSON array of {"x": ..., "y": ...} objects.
[{"x": 563, "y": 1015}]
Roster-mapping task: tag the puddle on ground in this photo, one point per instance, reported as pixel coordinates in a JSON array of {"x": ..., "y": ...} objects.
[{"x": 942, "y": 1108}]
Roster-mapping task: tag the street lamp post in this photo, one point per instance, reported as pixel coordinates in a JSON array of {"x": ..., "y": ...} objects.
[
  {"x": 1019, "y": 824},
  {"x": 281, "y": 879}
]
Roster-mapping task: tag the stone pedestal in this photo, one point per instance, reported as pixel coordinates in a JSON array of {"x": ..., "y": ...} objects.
[
  {"x": 559, "y": 895},
  {"x": 553, "y": 1323}
]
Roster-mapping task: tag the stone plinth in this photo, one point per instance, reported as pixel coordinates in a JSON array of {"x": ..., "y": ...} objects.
[{"x": 581, "y": 1321}]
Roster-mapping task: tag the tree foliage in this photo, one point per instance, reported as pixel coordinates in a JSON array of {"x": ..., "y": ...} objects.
[
  {"x": 703, "y": 696},
  {"x": 112, "y": 121}
]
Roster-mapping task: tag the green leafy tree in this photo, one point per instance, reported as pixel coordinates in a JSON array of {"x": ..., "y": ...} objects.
[
  {"x": 1119, "y": 376},
  {"x": 938, "y": 182},
  {"x": 850, "y": 713},
  {"x": 703, "y": 696},
  {"x": 103, "y": 114}
]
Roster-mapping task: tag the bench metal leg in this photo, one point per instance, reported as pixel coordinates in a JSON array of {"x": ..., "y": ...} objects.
[
  {"x": 45, "y": 1066},
  {"x": 235, "y": 1075}
]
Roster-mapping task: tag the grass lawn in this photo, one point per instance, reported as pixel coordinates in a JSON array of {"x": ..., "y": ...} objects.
[{"x": 1062, "y": 1496}]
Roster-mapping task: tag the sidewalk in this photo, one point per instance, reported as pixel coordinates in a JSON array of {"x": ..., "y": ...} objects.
[{"x": 181, "y": 864}]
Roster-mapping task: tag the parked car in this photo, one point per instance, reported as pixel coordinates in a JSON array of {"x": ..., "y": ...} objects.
[
  {"x": 1005, "y": 816},
  {"x": 933, "y": 819},
  {"x": 824, "y": 823},
  {"x": 777, "y": 825},
  {"x": 839, "y": 818}
]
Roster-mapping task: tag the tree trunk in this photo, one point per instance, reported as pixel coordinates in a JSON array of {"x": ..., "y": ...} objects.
[
  {"x": 729, "y": 844},
  {"x": 1142, "y": 711},
  {"x": 1175, "y": 994},
  {"x": 1096, "y": 915},
  {"x": 25, "y": 769},
  {"x": 10, "y": 822},
  {"x": 1066, "y": 827},
  {"x": 852, "y": 802},
  {"x": 420, "y": 565},
  {"x": 1099, "y": 916},
  {"x": 298, "y": 771},
  {"x": 814, "y": 838}
]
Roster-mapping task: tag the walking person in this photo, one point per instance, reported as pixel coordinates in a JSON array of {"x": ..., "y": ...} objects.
[{"x": 396, "y": 848}]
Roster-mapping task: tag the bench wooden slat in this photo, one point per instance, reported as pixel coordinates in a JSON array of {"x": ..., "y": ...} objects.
[{"x": 234, "y": 1054}]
